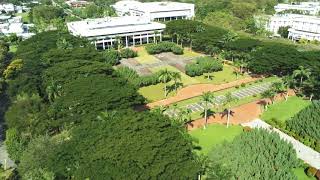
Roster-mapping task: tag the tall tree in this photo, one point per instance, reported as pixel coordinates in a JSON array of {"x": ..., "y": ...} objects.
[
  {"x": 165, "y": 76},
  {"x": 270, "y": 94},
  {"x": 176, "y": 77},
  {"x": 229, "y": 99},
  {"x": 288, "y": 82},
  {"x": 207, "y": 98},
  {"x": 302, "y": 73}
]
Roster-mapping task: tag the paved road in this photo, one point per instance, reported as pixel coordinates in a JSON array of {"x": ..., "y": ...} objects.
[{"x": 304, "y": 152}]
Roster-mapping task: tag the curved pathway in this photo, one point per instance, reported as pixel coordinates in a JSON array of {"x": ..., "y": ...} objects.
[
  {"x": 304, "y": 152},
  {"x": 197, "y": 90}
]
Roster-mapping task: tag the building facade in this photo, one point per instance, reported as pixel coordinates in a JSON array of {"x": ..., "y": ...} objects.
[
  {"x": 301, "y": 26},
  {"x": 155, "y": 11},
  {"x": 311, "y": 8},
  {"x": 108, "y": 32}
]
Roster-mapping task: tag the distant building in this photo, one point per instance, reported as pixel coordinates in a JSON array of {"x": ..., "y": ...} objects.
[
  {"x": 8, "y": 8},
  {"x": 13, "y": 25},
  {"x": 127, "y": 30},
  {"x": 301, "y": 26},
  {"x": 155, "y": 11},
  {"x": 77, "y": 3},
  {"x": 311, "y": 8}
]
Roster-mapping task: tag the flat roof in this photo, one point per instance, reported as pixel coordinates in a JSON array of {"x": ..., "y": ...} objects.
[
  {"x": 153, "y": 6},
  {"x": 112, "y": 25}
]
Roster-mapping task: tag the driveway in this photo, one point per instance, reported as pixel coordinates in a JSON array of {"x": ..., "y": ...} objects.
[{"x": 304, "y": 152}]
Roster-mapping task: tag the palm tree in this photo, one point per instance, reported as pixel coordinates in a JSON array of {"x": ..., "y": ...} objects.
[
  {"x": 230, "y": 37},
  {"x": 184, "y": 116},
  {"x": 309, "y": 86},
  {"x": 207, "y": 98},
  {"x": 279, "y": 87},
  {"x": 302, "y": 73},
  {"x": 288, "y": 82},
  {"x": 229, "y": 99},
  {"x": 53, "y": 91},
  {"x": 164, "y": 76},
  {"x": 270, "y": 94},
  {"x": 176, "y": 76}
]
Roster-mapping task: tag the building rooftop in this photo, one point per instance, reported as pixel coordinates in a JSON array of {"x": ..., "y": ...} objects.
[
  {"x": 112, "y": 25},
  {"x": 153, "y": 6}
]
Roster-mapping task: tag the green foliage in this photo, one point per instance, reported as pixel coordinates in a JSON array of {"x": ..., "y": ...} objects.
[
  {"x": 128, "y": 53},
  {"x": 203, "y": 65},
  {"x": 161, "y": 47},
  {"x": 256, "y": 154},
  {"x": 13, "y": 68},
  {"x": 45, "y": 16},
  {"x": 15, "y": 144},
  {"x": 177, "y": 50},
  {"x": 112, "y": 57},
  {"x": 283, "y": 31},
  {"x": 168, "y": 152},
  {"x": 306, "y": 124},
  {"x": 245, "y": 44}
]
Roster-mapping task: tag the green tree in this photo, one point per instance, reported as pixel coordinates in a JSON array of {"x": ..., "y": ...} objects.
[
  {"x": 53, "y": 91},
  {"x": 302, "y": 73},
  {"x": 229, "y": 99},
  {"x": 207, "y": 98},
  {"x": 288, "y": 82},
  {"x": 283, "y": 31},
  {"x": 164, "y": 76},
  {"x": 176, "y": 77},
  {"x": 270, "y": 94}
]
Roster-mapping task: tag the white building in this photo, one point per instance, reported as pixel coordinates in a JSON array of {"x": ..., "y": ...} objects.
[
  {"x": 127, "y": 30},
  {"x": 155, "y": 11},
  {"x": 13, "y": 25},
  {"x": 311, "y": 8},
  {"x": 301, "y": 26},
  {"x": 8, "y": 8}
]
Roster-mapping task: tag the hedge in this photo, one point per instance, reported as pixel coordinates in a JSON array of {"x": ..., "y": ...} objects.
[
  {"x": 164, "y": 47},
  {"x": 128, "y": 53},
  {"x": 203, "y": 65}
]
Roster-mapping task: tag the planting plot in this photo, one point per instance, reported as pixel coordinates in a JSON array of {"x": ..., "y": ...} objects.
[
  {"x": 214, "y": 135},
  {"x": 224, "y": 76},
  {"x": 284, "y": 110}
]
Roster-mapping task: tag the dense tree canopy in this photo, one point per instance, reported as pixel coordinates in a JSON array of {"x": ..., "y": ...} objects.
[
  {"x": 118, "y": 145},
  {"x": 257, "y": 154}
]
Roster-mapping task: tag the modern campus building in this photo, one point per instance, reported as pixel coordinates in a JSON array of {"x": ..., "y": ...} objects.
[
  {"x": 127, "y": 30},
  {"x": 301, "y": 26},
  {"x": 155, "y": 11},
  {"x": 13, "y": 25},
  {"x": 311, "y": 8}
]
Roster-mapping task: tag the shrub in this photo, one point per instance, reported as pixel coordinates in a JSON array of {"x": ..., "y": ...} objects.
[
  {"x": 128, "y": 53},
  {"x": 203, "y": 65},
  {"x": 177, "y": 50},
  {"x": 164, "y": 47},
  {"x": 311, "y": 171},
  {"x": 112, "y": 57},
  {"x": 243, "y": 85}
]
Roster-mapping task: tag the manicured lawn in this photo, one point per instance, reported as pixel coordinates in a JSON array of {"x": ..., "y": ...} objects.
[
  {"x": 299, "y": 172},
  {"x": 188, "y": 53},
  {"x": 144, "y": 57},
  {"x": 155, "y": 92},
  {"x": 285, "y": 110},
  {"x": 224, "y": 76},
  {"x": 213, "y": 135},
  {"x": 13, "y": 48},
  {"x": 186, "y": 80},
  {"x": 25, "y": 17}
]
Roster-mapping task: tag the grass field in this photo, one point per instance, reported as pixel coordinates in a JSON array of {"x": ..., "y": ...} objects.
[
  {"x": 301, "y": 175},
  {"x": 284, "y": 110},
  {"x": 144, "y": 57},
  {"x": 224, "y": 76},
  {"x": 213, "y": 135},
  {"x": 25, "y": 17},
  {"x": 191, "y": 54}
]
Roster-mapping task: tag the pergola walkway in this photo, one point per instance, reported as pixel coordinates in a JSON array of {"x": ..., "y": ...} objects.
[
  {"x": 219, "y": 100},
  {"x": 198, "y": 90},
  {"x": 304, "y": 152}
]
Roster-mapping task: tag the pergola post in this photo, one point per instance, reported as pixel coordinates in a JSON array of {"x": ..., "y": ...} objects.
[
  {"x": 126, "y": 41},
  {"x": 134, "y": 41},
  {"x": 103, "y": 45}
]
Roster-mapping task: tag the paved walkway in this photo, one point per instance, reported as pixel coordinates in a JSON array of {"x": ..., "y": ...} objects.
[
  {"x": 304, "y": 152},
  {"x": 198, "y": 90},
  {"x": 219, "y": 100}
]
